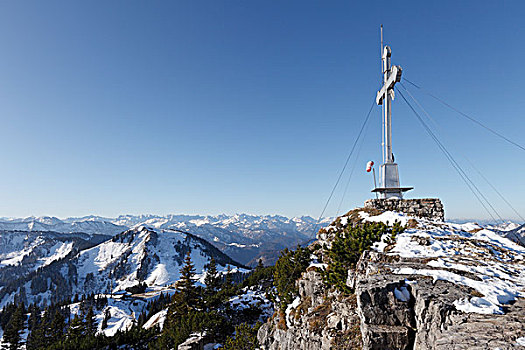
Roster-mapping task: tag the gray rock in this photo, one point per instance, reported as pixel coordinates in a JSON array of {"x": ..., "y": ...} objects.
[
  {"x": 427, "y": 208},
  {"x": 389, "y": 310}
]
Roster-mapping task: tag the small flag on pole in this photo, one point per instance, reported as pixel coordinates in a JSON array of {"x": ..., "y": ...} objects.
[{"x": 369, "y": 166}]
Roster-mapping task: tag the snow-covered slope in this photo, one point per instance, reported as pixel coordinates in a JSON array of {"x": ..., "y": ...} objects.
[
  {"x": 142, "y": 254},
  {"x": 515, "y": 233},
  {"x": 464, "y": 254},
  {"x": 22, "y": 253}
]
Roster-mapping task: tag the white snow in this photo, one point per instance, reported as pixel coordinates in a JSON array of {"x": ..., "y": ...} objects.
[
  {"x": 314, "y": 262},
  {"x": 295, "y": 303},
  {"x": 60, "y": 250},
  {"x": 19, "y": 245},
  {"x": 156, "y": 320},
  {"x": 160, "y": 248},
  {"x": 388, "y": 217},
  {"x": 252, "y": 297},
  {"x": 402, "y": 293},
  {"x": 159, "y": 276},
  {"x": 520, "y": 341},
  {"x": 464, "y": 254}
]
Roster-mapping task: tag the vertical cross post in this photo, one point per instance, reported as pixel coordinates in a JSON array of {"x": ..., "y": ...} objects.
[
  {"x": 388, "y": 176},
  {"x": 387, "y": 108}
]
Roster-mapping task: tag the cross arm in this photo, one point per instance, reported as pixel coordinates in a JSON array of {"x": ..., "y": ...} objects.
[{"x": 393, "y": 78}]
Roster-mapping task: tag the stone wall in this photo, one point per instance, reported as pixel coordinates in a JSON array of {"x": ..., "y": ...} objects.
[{"x": 428, "y": 208}]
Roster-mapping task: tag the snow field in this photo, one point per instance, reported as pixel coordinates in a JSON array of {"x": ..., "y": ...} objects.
[{"x": 494, "y": 263}]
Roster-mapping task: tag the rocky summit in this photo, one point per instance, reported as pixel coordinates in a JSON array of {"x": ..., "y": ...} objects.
[{"x": 433, "y": 285}]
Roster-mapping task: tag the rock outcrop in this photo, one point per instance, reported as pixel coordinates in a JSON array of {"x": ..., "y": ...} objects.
[
  {"x": 323, "y": 319},
  {"x": 438, "y": 286},
  {"x": 415, "y": 312}
]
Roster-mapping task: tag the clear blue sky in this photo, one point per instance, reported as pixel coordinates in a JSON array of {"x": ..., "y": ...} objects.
[{"x": 248, "y": 106}]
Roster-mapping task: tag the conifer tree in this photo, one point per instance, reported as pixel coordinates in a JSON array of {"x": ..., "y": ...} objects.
[
  {"x": 76, "y": 328},
  {"x": 245, "y": 338},
  {"x": 186, "y": 285},
  {"x": 43, "y": 332},
  {"x": 58, "y": 326},
  {"x": 288, "y": 268},
  {"x": 213, "y": 283},
  {"x": 14, "y": 328},
  {"x": 229, "y": 280},
  {"x": 33, "y": 326},
  {"x": 34, "y": 317},
  {"x": 90, "y": 322},
  {"x": 107, "y": 316},
  {"x": 184, "y": 301},
  {"x": 212, "y": 279}
]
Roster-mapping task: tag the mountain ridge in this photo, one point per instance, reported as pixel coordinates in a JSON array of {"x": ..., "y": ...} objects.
[
  {"x": 242, "y": 236},
  {"x": 141, "y": 254}
]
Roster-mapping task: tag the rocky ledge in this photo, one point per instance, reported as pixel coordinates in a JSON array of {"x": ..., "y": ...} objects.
[{"x": 437, "y": 285}]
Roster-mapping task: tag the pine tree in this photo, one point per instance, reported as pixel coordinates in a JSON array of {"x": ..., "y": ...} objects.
[
  {"x": 245, "y": 338},
  {"x": 107, "y": 316},
  {"x": 58, "y": 326},
  {"x": 213, "y": 283},
  {"x": 76, "y": 328},
  {"x": 212, "y": 279},
  {"x": 33, "y": 326},
  {"x": 34, "y": 317},
  {"x": 90, "y": 322},
  {"x": 43, "y": 332},
  {"x": 14, "y": 328},
  {"x": 229, "y": 280},
  {"x": 6, "y": 313},
  {"x": 289, "y": 267},
  {"x": 186, "y": 285},
  {"x": 348, "y": 246}
]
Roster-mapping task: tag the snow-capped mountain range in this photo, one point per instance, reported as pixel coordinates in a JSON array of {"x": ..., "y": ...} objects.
[
  {"x": 45, "y": 223},
  {"x": 70, "y": 267},
  {"x": 42, "y": 255},
  {"x": 243, "y": 237}
]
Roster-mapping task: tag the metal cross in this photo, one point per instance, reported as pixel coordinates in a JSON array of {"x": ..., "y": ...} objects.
[{"x": 388, "y": 176}]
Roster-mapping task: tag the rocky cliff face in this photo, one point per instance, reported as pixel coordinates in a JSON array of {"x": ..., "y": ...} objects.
[
  {"x": 436, "y": 286},
  {"x": 320, "y": 318}
]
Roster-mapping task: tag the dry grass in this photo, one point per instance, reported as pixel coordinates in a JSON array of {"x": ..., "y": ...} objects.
[
  {"x": 318, "y": 317},
  {"x": 313, "y": 268},
  {"x": 354, "y": 217},
  {"x": 412, "y": 223},
  {"x": 348, "y": 299},
  {"x": 349, "y": 340},
  {"x": 475, "y": 293},
  {"x": 282, "y": 321},
  {"x": 302, "y": 308}
]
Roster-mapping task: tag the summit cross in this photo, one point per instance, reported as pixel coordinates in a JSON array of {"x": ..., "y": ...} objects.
[{"x": 388, "y": 175}]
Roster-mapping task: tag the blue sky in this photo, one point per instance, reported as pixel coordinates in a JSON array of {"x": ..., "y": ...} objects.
[{"x": 248, "y": 106}]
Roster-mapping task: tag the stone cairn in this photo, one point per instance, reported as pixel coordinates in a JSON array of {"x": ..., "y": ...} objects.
[{"x": 427, "y": 208}]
